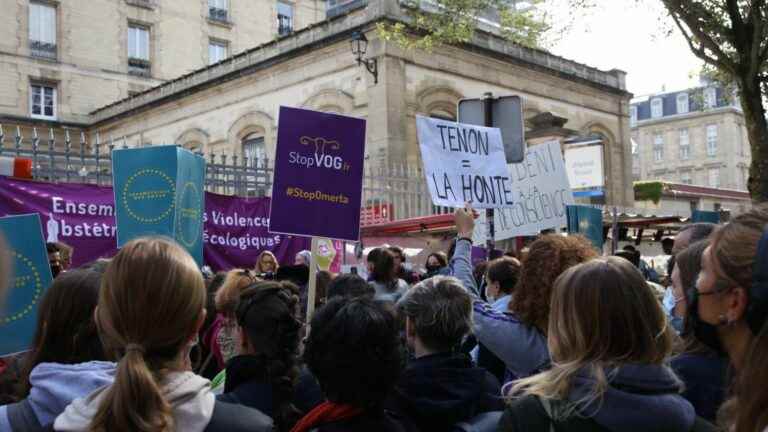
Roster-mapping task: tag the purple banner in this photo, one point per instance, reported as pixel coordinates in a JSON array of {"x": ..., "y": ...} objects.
[
  {"x": 82, "y": 216},
  {"x": 237, "y": 230},
  {"x": 318, "y": 175}
]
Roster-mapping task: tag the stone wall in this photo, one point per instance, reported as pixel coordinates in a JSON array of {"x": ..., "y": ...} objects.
[{"x": 413, "y": 83}]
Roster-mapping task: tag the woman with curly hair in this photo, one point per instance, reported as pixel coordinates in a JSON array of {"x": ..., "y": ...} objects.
[
  {"x": 519, "y": 336},
  {"x": 264, "y": 374}
]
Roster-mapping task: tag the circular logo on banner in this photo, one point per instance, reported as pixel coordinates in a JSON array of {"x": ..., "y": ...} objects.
[
  {"x": 26, "y": 289},
  {"x": 189, "y": 217},
  {"x": 149, "y": 195}
]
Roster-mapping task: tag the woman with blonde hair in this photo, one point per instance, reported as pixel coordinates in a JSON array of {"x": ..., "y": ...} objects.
[
  {"x": 266, "y": 263},
  {"x": 222, "y": 338},
  {"x": 608, "y": 338},
  {"x": 151, "y": 305}
]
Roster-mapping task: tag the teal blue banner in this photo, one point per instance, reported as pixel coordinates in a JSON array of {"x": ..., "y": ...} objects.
[
  {"x": 160, "y": 191},
  {"x": 705, "y": 216},
  {"x": 29, "y": 279},
  {"x": 586, "y": 221}
]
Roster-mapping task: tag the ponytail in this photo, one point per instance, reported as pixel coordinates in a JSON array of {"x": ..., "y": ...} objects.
[
  {"x": 135, "y": 401},
  {"x": 150, "y": 304}
]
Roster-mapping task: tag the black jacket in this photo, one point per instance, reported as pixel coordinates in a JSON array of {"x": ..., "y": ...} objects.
[
  {"x": 528, "y": 415},
  {"x": 440, "y": 390},
  {"x": 705, "y": 381},
  {"x": 247, "y": 384},
  {"x": 381, "y": 421},
  {"x": 237, "y": 418}
]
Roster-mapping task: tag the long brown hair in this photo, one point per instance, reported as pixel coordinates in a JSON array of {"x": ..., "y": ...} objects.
[
  {"x": 751, "y": 397},
  {"x": 65, "y": 331},
  {"x": 604, "y": 315},
  {"x": 548, "y": 258},
  {"x": 151, "y": 301},
  {"x": 688, "y": 262}
]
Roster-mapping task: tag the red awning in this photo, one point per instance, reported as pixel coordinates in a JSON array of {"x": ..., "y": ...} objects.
[{"x": 420, "y": 225}]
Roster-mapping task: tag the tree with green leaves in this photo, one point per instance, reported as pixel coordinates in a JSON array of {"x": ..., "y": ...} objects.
[{"x": 730, "y": 36}]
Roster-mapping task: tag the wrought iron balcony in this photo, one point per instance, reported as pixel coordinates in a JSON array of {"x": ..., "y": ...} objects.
[
  {"x": 43, "y": 50},
  {"x": 284, "y": 25},
  {"x": 217, "y": 14},
  {"x": 139, "y": 67}
]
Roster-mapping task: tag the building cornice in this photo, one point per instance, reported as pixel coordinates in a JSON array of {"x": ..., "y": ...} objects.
[
  {"x": 687, "y": 116},
  {"x": 337, "y": 29}
]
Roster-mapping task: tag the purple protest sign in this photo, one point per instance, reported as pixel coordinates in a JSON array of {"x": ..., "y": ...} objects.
[
  {"x": 318, "y": 175},
  {"x": 82, "y": 216}
]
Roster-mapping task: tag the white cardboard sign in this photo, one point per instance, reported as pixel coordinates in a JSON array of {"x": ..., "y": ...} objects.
[
  {"x": 541, "y": 192},
  {"x": 464, "y": 163}
]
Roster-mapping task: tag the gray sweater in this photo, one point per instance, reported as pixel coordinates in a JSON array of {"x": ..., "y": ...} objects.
[
  {"x": 521, "y": 347},
  {"x": 389, "y": 291}
]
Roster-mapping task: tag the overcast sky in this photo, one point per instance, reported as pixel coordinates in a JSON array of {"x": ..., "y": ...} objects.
[{"x": 627, "y": 35}]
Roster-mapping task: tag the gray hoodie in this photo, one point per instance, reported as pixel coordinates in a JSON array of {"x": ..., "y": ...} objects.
[
  {"x": 188, "y": 394},
  {"x": 53, "y": 387}
]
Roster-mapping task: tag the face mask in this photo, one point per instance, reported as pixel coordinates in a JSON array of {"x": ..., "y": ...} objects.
[
  {"x": 432, "y": 269},
  {"x": 704, "y": 332}
]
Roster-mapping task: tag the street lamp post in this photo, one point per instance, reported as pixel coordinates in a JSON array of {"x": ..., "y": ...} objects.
[{"x": 359, "y": 45}]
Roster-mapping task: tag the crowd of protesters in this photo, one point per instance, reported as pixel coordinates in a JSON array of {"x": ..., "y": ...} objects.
[{"x": 558, "y": 338}]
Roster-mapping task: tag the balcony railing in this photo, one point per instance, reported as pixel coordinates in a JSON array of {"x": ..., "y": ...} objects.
[
  {"x": 284, "y": 25},
  {"x": 217, "y": 14},
  {"x": 43, "y": 50},
  {"x": 146, "y": 4},
  {"x": 139, "y": 67}
]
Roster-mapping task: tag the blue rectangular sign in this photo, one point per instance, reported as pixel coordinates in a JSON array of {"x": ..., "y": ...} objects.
[
  {"x": 29, "y": 279},
  {"x": 160, "y": 191},
  {"x": 190, "y": 203},
  {"x": 586, "y": 221}
]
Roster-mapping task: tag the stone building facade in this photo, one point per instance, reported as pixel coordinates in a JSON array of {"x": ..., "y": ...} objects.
[
  {"x": 231, "y": 107},
  {"x": 694, "y": 136},
  {"x": 84, "y": 54}
]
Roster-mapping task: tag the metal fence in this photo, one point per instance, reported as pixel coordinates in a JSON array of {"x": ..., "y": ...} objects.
[{"x": 390, "y": 192}]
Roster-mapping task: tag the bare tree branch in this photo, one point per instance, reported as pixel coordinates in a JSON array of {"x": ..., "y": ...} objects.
[
  {"x": 680, "y": 15},
  {"x": 699, "y": 51}
]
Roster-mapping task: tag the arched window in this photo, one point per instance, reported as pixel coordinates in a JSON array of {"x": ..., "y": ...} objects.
[
  {"x": 254, "y": 147},
  {"x": 443, "y": 115}
]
